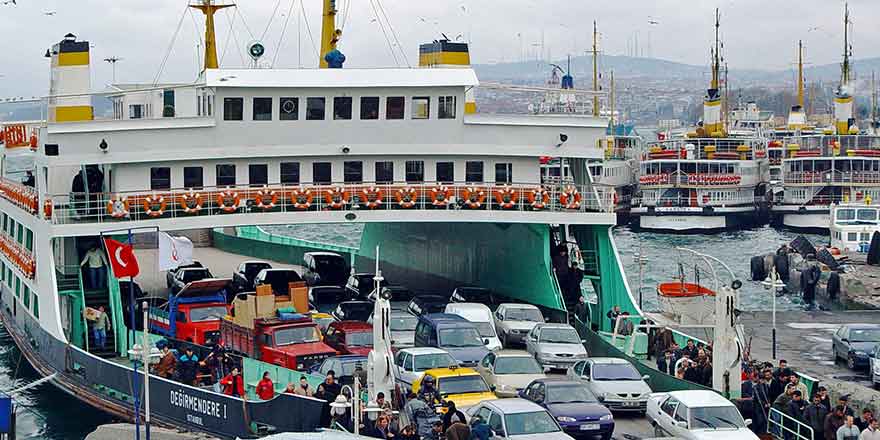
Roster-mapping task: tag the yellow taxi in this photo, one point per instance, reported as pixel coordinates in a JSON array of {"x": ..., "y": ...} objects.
[{"x": 464, "y": 386}]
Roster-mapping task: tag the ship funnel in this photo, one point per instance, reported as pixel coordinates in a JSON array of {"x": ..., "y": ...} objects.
[
  {"x": 70, "y": 76},
  {"x": 448, "y": 54}
]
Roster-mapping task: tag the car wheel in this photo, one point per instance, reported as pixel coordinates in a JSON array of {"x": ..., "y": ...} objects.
[
  {"x": 851, "y": 362},
  {"x": 658, "y": 432},
  {"x": 606, "y": 436}
]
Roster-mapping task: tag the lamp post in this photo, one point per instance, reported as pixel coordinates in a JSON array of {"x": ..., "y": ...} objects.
[
  {"x": 145, "y": 354},
  {"x": 355, "y": 404},
  {"x": 773, "y": 285},
  {"x": 640, "y": 259}
]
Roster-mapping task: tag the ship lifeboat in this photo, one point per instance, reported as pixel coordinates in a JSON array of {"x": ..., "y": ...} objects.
[{"x": 688, "y": 303}]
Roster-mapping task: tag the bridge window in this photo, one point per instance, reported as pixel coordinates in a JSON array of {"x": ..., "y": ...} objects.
[
  {"x": 315, "y": 109},
  {"x": 226, "y": 175},
  {"x": 446, "y": 172},
  {"x": 160, "y": 178},
  {"x": 384, "y": 172},
  {"x": 503, "y": 172},
  {"x": 29, "y": 240},
  {"x": 136, "y": 111},
  {"x": 353, "y": 171},
  {"x": 415, "y": 171},
  {"x": 289, "y": 173},
  {"x": 193, "y": 177},
  {"x": 421, "y": 107},
  {"x": 168, "y": 104},
  {"x": 369, "y": 107},
  {"x": 233, "y": 109},
  {"x": 258, "y": 174},
  {"x": 395, "y": 107},
  {"x": 321, "y": 172},
  {"x": 262, "y": 109},
  {"x": 473, "y": 171},
  {"x": 36, "y": 306},
  {"x": 289, "y": 109},
  {"x": 342, "y": 108},
  {"x": 446, "y": 107}
]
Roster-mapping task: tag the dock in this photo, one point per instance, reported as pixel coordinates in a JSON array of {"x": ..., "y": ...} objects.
[{"x": 117, "y": 431}]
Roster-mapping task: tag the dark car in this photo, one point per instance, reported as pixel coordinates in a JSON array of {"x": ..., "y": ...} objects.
[
  {"x": 350, "y": 337},
  {"x": 325, "y": 269},
  {"x": 279, "y": 279},
  {"x": 399, "y": 296},
  {"x": 854, "y": 343},
  {"x": 454, "y": 334},
  {"x": 361, "y": 284},
  {"x": 244, "y": 275},
  {"x": 182, "y": 277},
  {"x": 353, "y": 311},
  {"x": 576, "y": 409},
  {"x": 325, "y": 298},
  {"x": 169, "y": 276},
  {"x": 425, "y": 304},
  {"x": 466, "y": 294},
  {"x": 343, "y": 366}
]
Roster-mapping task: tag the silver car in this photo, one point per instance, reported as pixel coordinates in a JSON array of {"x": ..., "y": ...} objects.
[
  {"x": 410, "y": 364},
  {"x": 514, "y": 321},
  {"x": 518, "y": 419},
  {"x": 509, "y": 371},
  {"x": 616, "y": 383},
  {"x": 555, "y": 345}
]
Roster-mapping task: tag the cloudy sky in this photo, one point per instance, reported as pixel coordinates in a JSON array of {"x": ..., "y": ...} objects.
[{"x": 758, "y": 33}]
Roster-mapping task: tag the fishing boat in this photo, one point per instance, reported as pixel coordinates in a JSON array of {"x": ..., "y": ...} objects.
[{"x": 453, "y": 196}]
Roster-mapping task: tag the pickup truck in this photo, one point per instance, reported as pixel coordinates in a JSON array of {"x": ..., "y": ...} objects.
[
  {"x": 279, "y": 279},
  {"x": 194, "y": 313},
  {"x": 185, "y": 276},
  {"x": 169, "y": 276},
  {"x": 291, "y": 341},
  {"x": 244, "y": 275}
]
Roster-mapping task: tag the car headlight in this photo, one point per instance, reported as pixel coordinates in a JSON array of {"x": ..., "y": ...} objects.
[
  {"x": 860, "y": 353},
  {"x": 602, "y": 396},
  {"x": 566, "y": 419},
  {"x": 606, "y": 417}
]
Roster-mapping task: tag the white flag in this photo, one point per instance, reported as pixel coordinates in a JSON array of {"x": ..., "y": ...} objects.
[{"x": 174, "y": 251}]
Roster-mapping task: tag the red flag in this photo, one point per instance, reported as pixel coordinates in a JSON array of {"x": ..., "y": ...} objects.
[{"x": 122, "y": 259}]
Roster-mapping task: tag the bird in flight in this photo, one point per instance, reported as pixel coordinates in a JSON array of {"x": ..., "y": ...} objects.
[
  {"x": 653, "y": 21},
  {"x": 49, "y": 13}
]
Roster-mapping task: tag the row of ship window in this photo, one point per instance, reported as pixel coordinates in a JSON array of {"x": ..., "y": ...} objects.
[
  {"x": 316, "y": 108},
  {"x": 22, "y": 292},
  {"x": 322, "y": 172},
  {"x": 18, "y": 232}
]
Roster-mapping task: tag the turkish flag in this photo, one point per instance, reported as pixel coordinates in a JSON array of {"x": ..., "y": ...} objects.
[{"x": 122, "y": 259}]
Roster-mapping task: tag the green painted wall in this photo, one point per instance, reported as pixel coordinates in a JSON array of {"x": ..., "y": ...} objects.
[{"x": 254, "y": 242}]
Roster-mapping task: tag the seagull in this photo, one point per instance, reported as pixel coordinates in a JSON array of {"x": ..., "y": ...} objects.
[
  {"x": 814, "y": 28},
  {"x": 49, "y": 13},
  {"x": 9, "y": 2},
  {"x": 653, "y": 21}
]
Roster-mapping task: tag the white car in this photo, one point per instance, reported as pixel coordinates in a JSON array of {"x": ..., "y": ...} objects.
[
  {"x": 555, "y": 345},
  {"x": 481, "y": 317},
  {"x": 518, "y": 419},
  {"x": 874, "y": 367},
  {"x": 514, "y": 321},
  {"x": 616, "y": 383},
  {"x": 697, "y": 415},
  {"x": 410, "y": 364},
  {"x": 509, "y": 371}
]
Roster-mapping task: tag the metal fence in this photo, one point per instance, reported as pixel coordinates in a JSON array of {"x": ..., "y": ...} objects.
[{"x": 784, "y": 427}]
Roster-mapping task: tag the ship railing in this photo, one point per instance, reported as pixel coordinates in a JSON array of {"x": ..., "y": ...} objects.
[
  {"x": 831, "y": 176},
  {"x": 707, "y": 148},
  {"x": 247, "y": 199},
  {"x": 784, "y": 427},
  {"x": 23, "y": 196},
  {"x": 695, "y": 179},
  {"x": 18, "y": 255},
  {"x": 705, "y": 200}
]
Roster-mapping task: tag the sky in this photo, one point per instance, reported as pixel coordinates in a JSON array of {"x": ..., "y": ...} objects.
[{"x": 758, "y": 34}]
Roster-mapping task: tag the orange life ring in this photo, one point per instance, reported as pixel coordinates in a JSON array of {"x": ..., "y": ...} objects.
[
  {"x": 538, "y": 198},
  {"x": 372, "y": 197},
  {"x": 302, "y": 198},
  {"x": 474, "y": 197},
  {"x": 191, "y": 202},
  {"x": 150, "y": 202},
  {"x": 262, "y": 195},
  {"x": 118, "y": 207},
  {"x": 47, "y": 209},
  {"x": 441, "y": 195},
  {"x": 506, "y": 197},
  {"x": 225, "y": 196},
  {"x": 336, "y": 197},
  {"x": 570, "y": 198},
  {"x": 406, "y": 197}
]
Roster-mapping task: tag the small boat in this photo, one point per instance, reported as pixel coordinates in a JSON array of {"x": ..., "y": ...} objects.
[{"x": 688, "y": 303}]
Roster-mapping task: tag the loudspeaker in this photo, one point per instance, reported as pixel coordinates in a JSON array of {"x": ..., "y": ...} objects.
[{"x": 51, "y": 149}]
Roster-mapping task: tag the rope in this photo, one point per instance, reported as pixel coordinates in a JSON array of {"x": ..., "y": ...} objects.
[
  {"x": 170, "y": 46},
  {"x": 393, "y": 33},
  {"x": 235, "y": 37},
  {"x": 244, "y": 21},
  {"x": 283, "y": 31},
  {"x": 271, "y": 18},
  {"x": 382, "y": 27},
  {"x": 228, "y": 36},
  {"x": 309, "y": 29}
]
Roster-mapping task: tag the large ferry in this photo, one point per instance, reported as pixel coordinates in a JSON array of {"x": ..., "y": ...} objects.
[
  {"x": 837, "y": 165},
  {"x": 454, "y": 198},
  {"x": 706, "y": 181}
]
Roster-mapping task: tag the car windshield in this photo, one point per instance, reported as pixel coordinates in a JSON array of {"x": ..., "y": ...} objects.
[
  {"x": 460, "y": 337},
  {"x": 556, "y": 335},
  {"x": 473, "y": 293},
  {"x": 435, "y": 360},
  {"x": 520, "y": 314},
  {"x": 251, "y": 270},
  {"x": 715, "y": 417},
  {"x": 359, "y": 339},
  {"x": 486, "y": 329},
  {"x": 403, "y": 323},
  {"x": 195, "y": 275},
  {"x": 212, "y": 313},
  {"x": 327, "y": 295},
  {"x": 462, "y": 385},
  {"x": 356, "y": 311},
  {"x": 864, "y": 335},
  {"x": 569, "y": 393},
  {"x": 538, "y": 422},
  {"x": 296, "y": 335},
  {"x": 615, "y": 372},
  {"x": 517, "y": 365},
  {"x": 329, "y": 263},
  {"x": 400, "y": 294}
]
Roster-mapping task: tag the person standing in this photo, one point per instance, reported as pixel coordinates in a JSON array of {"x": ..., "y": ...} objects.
[
  {"x": 849, "y": 431},
  {"x": 452, "y": 415},
  {"x": 233, "y": 384},
  {"x": 823, "y": 395},
  {"x": 189, "y": 366},
  {"x": 265, "y": 387},
  {"x": 96, "y": 270},
  {"x": 167, "y": 364},
  {"x": 480, "y": 430},
  {"x": 580, "y": 309},
  {"x": 872, "y": 432},
  {"x": 303, "y": 389},
  {"x": 100, "y": 328},
  {"x": 809, "y": 278},
  {"x": 328, "y": 391},
  {"x": 844, "y": 402},
  {"x": 814, "y": 416},
  {"x": 798, "y": 385},
  {"x": 796, "y": 406},
  {"x": 833, "y": 422},
  {"x": 382, "y": 429},
  {"x": 666, "y": 364},
  {"x": 865, "y": 419},
  {"x": 612, "y": 316},
  {"x": 458, "y": 431}
]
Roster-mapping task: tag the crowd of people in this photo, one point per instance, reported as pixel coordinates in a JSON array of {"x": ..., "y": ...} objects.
[{"x": 693, "y": 362}]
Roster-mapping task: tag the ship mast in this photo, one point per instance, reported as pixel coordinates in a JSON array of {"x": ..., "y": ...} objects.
[
  {"x": 612, "y": 103},
  {"x": 845, "y": 68},
  {"x": 800, "y": 78},
  {"x": 330, "y": 35},
  {"x": 716, "y": 57},
  {"x": 209, "y": 9},
  {"x": 595, "y": 70}
]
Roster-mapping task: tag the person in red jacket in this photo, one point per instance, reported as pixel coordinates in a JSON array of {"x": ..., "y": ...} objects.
[
  {"x": 233, "y": 384},
  {"x": 265, "y": 388}
]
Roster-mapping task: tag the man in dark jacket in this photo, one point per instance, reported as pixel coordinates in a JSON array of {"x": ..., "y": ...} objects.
[
  {"x": 188, "y": 366},
  {"x": 666, "y": 364},
  {"x": 756, "y": 392},
  {"x": 797, "y": 406},
  {"x": 809, "y": 278},
  {"x": 777, "y": 386},
  {"x": 814, "y": 416},
  {"x": 833, "y": 422},
  {"x": 452, "y": 415}
]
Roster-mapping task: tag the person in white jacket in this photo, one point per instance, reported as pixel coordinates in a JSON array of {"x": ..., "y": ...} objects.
[
  {"x": 872, "y": 432},
  {"x": 849, "y": 431}
]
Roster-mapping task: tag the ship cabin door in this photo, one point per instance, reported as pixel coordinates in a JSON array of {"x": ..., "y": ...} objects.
[{"x": 87, "y": 189}]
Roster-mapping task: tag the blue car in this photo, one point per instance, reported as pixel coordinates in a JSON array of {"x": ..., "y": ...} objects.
[{"x": 575, "y": 408}]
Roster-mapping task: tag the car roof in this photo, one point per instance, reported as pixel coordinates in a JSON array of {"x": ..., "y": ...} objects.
[
  {"x": 608, "y": 360},
  {"x": 279, "y": 269},
  {"x": 417, "y": 351},
  {"x": 256, "y": 262},
  {"x": 402, "y": 312},
  {"x": 559, "y": 381},
  {"x": 351, "y": 325},
  {"x": 512, "y": 353},
  {"x": 469, "y": 307},
  {"x": 860, "y": 326},
  {"x": 700, "y": 398},
  {"x": 514, "y": 406},
  {"x": 192, "y": 269},
  {"x": 553, "y": 325},
  {"x": 444, "y": 317},
  {"x": 356, "y": 302},
  {"x": 517, "y": 306},
  {"x": 451, "y": 372},
  {"x": 430, "y": 298},
  {"x": 349, "y": 357},
  {"x": 316, "y": 254}
]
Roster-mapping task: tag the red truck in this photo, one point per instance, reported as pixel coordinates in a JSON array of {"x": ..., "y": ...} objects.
[
  {"x": 292, "y": 341},
  {"x": 350, "y": 337},
  {"x": 194, "y": 313}
]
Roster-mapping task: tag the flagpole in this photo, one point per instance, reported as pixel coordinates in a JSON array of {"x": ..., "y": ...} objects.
[{"x": 134, "y": 375}]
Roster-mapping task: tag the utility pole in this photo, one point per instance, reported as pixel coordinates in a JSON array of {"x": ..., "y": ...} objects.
[
  {"x": 595, "y": 70},
  {"x": 113, "y": 61}
]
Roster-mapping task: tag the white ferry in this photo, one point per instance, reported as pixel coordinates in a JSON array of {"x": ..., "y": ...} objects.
[
  {"x": 853, "y": 225},
  {"x": 453, "y": 197}
]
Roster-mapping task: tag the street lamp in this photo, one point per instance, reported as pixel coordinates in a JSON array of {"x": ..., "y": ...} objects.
[
  {"x": 139, "y": 355},
  {"x": 774, "y": 285},
  {"x": 355, "y": 404}
]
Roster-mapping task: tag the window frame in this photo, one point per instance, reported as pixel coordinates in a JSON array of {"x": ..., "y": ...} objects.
[
  {"x": 394, "y": 115},
  {"x": 160, "y": 183},
  {"x": 444, "y": 109},
  {"x": 438, "y": 176},
  {"x": 372, "y": 103},
  {"x": 263, "y": 100},
  {"x": 288, "y": 116},
  {"x": 309, "y": 109},
  {"x": 468, "y": 173},
  {"x": 228, "y": 111},
  {"x": 218, "y": 176},
  {"x": 378, "y": 177},
  {"x": 507, "y": 171},
  {"x": 315, "y": 169},
  {"x": 420, "y": 173},
  {"x": 357, "y": 175},
  {"x": 282, "y": 174},
  {"x": 259, "y": 167},
  {"x": 350, "y": 109},
  {"x": 416, "y": 104},
  {"x": 201, "y": 177}
]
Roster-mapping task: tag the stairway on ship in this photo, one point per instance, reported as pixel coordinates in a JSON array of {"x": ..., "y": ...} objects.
[{"x": 96, "y": 298}]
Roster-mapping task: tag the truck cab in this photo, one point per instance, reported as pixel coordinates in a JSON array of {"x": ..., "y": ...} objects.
[
  {"x": 194, "y": 313},
  {"x": 290, "y": 340}
]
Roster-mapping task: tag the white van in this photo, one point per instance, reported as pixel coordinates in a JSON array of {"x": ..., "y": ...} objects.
[{"x": 481, "y": 317}]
